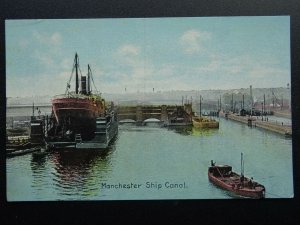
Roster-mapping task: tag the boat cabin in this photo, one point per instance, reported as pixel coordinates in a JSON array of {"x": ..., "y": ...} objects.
[{"x": 220, "y": 170}]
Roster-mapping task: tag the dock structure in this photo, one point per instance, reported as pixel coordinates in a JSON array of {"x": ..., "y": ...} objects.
[
  {"x": 166, "y": 114},
  {"x": 253, "y": 122}
]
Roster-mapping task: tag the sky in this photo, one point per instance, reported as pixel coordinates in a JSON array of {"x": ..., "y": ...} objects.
[{"x": 145, "y": 54}]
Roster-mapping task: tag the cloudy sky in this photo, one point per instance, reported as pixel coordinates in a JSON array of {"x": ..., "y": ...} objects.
[{"x": 142, "y": 54}]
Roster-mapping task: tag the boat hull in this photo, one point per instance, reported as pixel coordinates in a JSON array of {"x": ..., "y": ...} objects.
[
  {"x": 77, "y": 114},
  {"x": 233, "y": 185},
  {"x": 106, "y": 131},
  {"x": 77, "y": 108}
]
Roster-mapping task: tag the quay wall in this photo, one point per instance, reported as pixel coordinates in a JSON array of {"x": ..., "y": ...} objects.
[{"x": 278, "y": 128}]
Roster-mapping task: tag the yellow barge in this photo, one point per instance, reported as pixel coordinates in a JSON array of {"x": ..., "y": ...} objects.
[{"x": 204, "y": 122}]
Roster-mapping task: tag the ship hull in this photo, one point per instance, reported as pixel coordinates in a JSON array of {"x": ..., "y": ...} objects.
[
  {"x": 104, "y": 134},
  {"x": 77, "y": 114},
  {"x": 76, "y": 108},
  {"x": 232, "y": 184},
  {"x": 106, "y": 131}
]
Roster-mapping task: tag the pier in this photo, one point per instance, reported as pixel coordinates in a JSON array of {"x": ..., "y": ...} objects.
[{"x": 265, "y": 124}]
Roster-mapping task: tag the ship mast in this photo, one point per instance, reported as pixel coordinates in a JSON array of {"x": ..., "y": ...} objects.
[
  {"x": 89, "y": 80},
  {"x": 242, "y": 165},
  {"x": 200, "y": 106},
  {"x": 76, "y": 68}
]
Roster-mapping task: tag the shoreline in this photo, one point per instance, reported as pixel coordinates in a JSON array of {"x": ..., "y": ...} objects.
[{"x": 281, "y": 129}]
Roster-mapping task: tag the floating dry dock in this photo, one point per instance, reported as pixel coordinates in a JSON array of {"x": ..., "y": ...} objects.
[{"x": 252, "y": 121}]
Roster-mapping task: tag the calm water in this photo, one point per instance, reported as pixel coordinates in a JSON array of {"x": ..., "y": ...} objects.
[{"x": 155, "y": 163}]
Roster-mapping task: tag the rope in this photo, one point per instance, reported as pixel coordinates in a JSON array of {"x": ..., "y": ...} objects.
[
  {"x": 80, "y": 84},
  {"x": 68, "y": 84},
  {"x": 94, "y": 82},
  {"x": 79, "y": 70}
]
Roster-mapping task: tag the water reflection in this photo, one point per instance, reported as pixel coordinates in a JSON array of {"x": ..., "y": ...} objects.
[
  {"x": 38, "y": 167},
  {"x": 79, "y": 172},
  {"x": 193, "y": 131},
  {"x": 183, "y": 130},
  {"x": 204, "y": 131},
  {"x": 74, "y": 173},
  {"x": 38, "y": 163}
]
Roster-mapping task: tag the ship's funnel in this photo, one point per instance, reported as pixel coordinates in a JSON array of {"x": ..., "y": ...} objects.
[{"x": 83, "y": 85}]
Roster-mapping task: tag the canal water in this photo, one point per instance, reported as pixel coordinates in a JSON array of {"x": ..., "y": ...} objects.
[{"x": 149, "y": 162}]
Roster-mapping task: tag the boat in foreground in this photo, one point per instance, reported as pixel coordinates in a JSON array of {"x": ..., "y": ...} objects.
[{"x": 223, "y": 177}]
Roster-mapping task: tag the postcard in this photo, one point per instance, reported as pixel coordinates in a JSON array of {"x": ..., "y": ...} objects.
[{"x": 148, "y": 108}]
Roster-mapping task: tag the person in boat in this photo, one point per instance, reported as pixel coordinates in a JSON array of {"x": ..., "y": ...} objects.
[
  {"x": 242, "y": 178},
  {"x": 212, "y": 163},
  {"x": 250, "y": 183}
]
